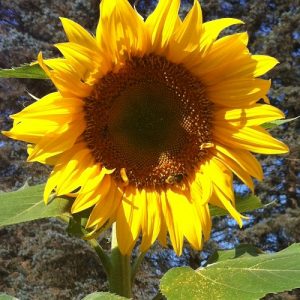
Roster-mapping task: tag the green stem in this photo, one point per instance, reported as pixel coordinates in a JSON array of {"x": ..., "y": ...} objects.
[{"x": 120, "y": 272}]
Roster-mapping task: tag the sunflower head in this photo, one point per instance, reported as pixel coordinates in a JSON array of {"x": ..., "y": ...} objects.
[{"x": 150, "y": 121}]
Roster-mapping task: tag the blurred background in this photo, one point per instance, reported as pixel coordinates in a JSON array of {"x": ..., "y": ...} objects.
[{"x": 38, "y": 260}]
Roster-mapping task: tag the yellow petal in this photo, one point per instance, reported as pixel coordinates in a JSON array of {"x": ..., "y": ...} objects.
[
  {"x": 220, "y": 198},
  {"x": 60, "y": 64},
  {"x": 82, "y": 173},
  {"x": 185, "y": 216},
  {"x": 221, "y": 177},
  {"x": 72, "y": 164},
  {"x": 98, "y": 179},
  {"x": 151, "y": 223},
  {"x": 244, "y": 159},
  {"x": 223, "y": 56},
  {"x": 50, "y": 102},
  {"x": 205, "y": 218},
  {"x": 222, "y": 195},
  {"x": 162, "y": 23},
  {"x": 65, "y": 80},
  {"x": 201, "y": 187},
  {"x": 77, "y": 34},
  {"x": 120, "y": 30},
  {"x": 264, "y": 63},
  {"x": 187, "y": 36},
  {"x": 266, "y": 100},
  {"x": 51, "y": 183},
  {"x": 60, "y": 112},
  {"x": 48, "y": 161},
  {"x": 82, "y": 59},
  {"x": 172, "y": 224},
  {"x": 253, "y": 116},
  {"x": 50, "y": 99},
  {"x": 129, "y": 219},
  {"x": 57, "y": 142},
  {"x": 55, "y": 177},
  {"x": 105, "y": 209},
  {"x": 162, "y": 237},
  {"x": 244, "y": 37},
  {"x": 254, "y": 139},
  {"x": 86, "y": 200},
  {"x": 212, "y": 29},
  {"x": 235, "y": 168},
  {"x": 243, "y": 92},
  {"x": 31, "y": 131}
]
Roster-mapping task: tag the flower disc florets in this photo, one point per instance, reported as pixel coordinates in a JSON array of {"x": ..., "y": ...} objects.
[{"x": 151, "y": 118}]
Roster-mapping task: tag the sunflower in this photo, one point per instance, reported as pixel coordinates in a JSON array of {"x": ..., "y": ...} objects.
[{"x": 150, "y": 121}]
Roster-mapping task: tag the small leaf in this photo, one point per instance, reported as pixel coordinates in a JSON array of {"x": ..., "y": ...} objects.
[
  {"x": 242, "y": 204},
  {"x": 25, "y": 71},
  {"x": 273, "y": 124},
  {"x": 246, "y": 277},
  {"x": 77, "y": 222},
  {"x": 103, "y": 296},
  {"x": 77, "y": 225},
  {"x": 239, "y": 251},
  {"x": 27, "y": 204}
]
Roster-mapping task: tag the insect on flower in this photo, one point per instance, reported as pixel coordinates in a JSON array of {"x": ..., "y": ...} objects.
[{"x": 175, "y": 178}]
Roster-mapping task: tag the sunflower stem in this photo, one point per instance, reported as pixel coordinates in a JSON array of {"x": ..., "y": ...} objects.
[{"x": 119, "y": 276}]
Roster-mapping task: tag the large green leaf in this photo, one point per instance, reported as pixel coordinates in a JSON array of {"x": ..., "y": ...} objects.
[
  {"x": 246, "y": 277},
  {"x": 27, "y": 204},
  {"x": 103, "y": 296},
  {"x": 25, "y": 71},
  {"x": 273, "y": 124},
  {"x": 243, "y": 204},
  {"x": 239, "y": 251}
]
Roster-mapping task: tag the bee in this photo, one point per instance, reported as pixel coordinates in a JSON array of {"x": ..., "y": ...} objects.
[{"x": 175, "y": 178}]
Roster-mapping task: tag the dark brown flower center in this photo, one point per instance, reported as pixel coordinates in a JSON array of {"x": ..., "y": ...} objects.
[{"x": 150, "y": 121}]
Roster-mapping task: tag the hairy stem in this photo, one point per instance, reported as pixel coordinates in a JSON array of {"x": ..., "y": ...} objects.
[{"x": 120, "y": 271}]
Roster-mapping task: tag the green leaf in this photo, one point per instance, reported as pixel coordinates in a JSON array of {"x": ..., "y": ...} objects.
[
  {"x": 241, "y": 250},
  {"x": 242, "y": 204},
  {"x": 77, "y": 225},
  {"x": 103, "y": 296},
  {"x": 246, "y": 277},
  {"x": 7, "y": 297},
  {"x": 25, "y": 71},
  {"x": 77, "y": 222},
  {"x": 27, "y": 204},
  {"x": 273, "y": 124}
]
